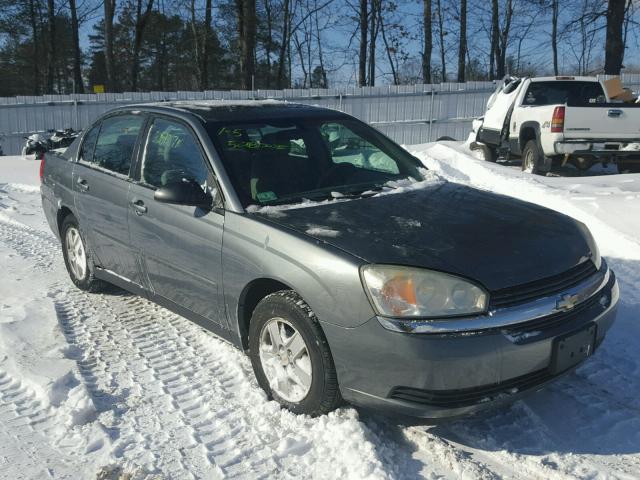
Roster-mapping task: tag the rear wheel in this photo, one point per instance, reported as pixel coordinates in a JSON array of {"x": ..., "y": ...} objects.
[
  {"x": 291, "y": 357},
  {"x": 77, "y": 257},
  {"x": 533, "y": 160}
]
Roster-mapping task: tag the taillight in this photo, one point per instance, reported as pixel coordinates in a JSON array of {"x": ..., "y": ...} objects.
[
  {"x": 42, "y": 168},
  {"x": 557, "y": 121}
]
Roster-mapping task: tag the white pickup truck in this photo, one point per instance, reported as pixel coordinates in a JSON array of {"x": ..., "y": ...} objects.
[{"x": 555, "y": 120}]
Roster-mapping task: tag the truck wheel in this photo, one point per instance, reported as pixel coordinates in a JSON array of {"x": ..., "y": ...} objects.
[
  {"x": 484, "y": 152},
  {"x": 533, "y": 160},
  {"x": 291, "y": 357},
  {"x": 78, "y": 258}
]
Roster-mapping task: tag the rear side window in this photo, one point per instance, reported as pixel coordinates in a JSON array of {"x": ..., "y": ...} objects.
[
  {"x": 89, "y": 144},
  {"x": 561, "y": 92},
  {"x": 172, "y": 154},
  {"x": 116, "y": 141}
]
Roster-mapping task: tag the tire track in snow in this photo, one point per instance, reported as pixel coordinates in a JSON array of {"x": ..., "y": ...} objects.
[
  {"x": 184, "y": 404},
  {"x": 33, "y": 245}
]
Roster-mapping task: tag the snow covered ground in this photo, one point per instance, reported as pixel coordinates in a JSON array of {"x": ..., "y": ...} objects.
[{"x": 112, "y": 386}]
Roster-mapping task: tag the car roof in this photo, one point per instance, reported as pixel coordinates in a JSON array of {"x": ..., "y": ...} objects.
[
  {"x": 568, "y": 78},
  {"x": 239, "y": 110}
]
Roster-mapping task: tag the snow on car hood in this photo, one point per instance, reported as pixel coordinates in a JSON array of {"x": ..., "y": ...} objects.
[{"x": 493, "y": 239}]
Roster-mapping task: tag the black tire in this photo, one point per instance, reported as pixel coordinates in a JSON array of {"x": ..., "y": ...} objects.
[
  {"x": 446, "y": 138},
  {"x": 88, "y": 282},
  {"x": 323, "y": 395},
  {"x": 533, "y": 160},
  {"x": 487, "y": 153}
]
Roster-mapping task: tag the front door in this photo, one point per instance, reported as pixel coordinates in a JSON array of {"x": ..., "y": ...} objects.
[
  {"x": 179, "y": 247},
  {"x": 101, "y": 182}
]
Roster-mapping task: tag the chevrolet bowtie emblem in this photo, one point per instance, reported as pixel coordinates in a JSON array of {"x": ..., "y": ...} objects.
[{"x": 567, "y": 302}]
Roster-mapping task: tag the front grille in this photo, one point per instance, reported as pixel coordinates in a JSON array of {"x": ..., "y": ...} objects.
[
  {"x": 552, "y": 321},
  {"x": 510, "y": 296},
  {"x": 470, "y": 396}
]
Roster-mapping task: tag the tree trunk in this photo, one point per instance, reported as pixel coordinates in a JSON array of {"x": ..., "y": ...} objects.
[
  {"x": 77, "y": 72},
  {"x": 109, "y": 13},
  {"x": 284, "y": 45},
  {"x": 394, "y": 70},
  {"x": 614, "y": 45},
  {"x": 504, "y": 39},
  {"x": 554, "y": 35},
  {"x": 206, "y": 46},
  {"x": 141, "y": 23},
  {"x": 51, "y": 52},
  {"x": 373, "y": 37},
  {"x": 428, "y": 42},
  {"x": 35, "y": 61},
  {"x": 495, "y": 32},
  {"x": 362, "y": 59},
  {"x": 443, "y": 62},
  {"x": 247, "y": 34},
  {"x": 462, "y": 47}
]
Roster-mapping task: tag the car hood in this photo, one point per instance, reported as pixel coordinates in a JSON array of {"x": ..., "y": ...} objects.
[{"x": 493, "y": 239}]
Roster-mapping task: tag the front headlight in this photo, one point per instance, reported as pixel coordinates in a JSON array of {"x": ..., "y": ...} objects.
[{"x": 397, "y": 291}]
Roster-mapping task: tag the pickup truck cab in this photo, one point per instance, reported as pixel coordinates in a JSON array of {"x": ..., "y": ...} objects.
[{"x": 555, "y": 120}]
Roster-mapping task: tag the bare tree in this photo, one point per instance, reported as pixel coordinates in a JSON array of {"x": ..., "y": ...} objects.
[
  {"x": 614, "y": 44},
  {"x": 554, "y": 34},
  {"x": 75, "y": 41},
  {"x": 206, "y": 46},
  {"x": 35, "y": 61},
  {"x": 51, "y": 51},
  {"x": 428, "y": 41},
  {"x": 462, "y": 45},
  {"x": 362, "y": 59},
  {"x": 441, "y": 34},
  {"x": 246, "y": 11},
  {"x": 142, "y": 17},
  {"x": 109, "y": 14},
  {"x": 495, "y": 33}
]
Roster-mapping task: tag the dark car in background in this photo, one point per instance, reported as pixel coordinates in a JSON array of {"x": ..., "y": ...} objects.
[{"x": 328, "y": 253}]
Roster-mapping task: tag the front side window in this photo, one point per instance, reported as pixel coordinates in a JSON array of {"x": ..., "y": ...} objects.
[
  {"x": 282, "y": 161},
  {"x": 172, "y": 154},
  {"x": 116, "y": 142}
]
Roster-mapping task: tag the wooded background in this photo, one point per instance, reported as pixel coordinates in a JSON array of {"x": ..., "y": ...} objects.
[{"x": 70, "y": 46}]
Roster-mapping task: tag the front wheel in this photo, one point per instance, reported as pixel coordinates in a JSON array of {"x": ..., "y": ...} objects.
[
  {"x": 291, "y": 357},
  {"x": 484, "y": 152},
  {"x": 77, "y": 257}
]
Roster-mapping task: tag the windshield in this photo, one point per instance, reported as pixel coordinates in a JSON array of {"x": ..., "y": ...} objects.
[{"x": 273, "y": 162}]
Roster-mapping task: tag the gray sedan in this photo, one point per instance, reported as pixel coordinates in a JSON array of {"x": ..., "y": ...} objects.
[{"x": 327, "y": 252}]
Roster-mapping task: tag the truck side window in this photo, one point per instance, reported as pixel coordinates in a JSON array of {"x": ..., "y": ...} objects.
[
  {"x": 116, "y": 141},
  {"x": 89, "y": 144},
  {"x": 171, "y": 155}
]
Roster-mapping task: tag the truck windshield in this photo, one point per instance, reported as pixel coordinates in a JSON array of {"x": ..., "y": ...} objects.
[
  {"x": 560, "y": 92},
  {"x": 284, "y": 161}
]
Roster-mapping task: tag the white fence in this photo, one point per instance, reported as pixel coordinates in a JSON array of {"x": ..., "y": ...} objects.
[{"x": 408, "y": 114}]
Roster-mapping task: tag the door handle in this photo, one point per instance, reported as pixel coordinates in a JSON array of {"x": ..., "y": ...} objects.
[
  {"x": 614, "y": 112},
  {"x": 139, "y": 207},
  {"x": 82, "y": 184}
]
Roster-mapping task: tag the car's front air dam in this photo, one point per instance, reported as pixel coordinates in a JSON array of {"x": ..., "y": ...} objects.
[{"x": 373, "y": 362}]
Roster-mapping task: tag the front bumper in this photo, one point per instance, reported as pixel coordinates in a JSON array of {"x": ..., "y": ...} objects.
[{"x": 438, "y": 375}]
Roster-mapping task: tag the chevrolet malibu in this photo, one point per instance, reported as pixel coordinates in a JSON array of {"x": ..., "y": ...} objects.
[{"x": 344, "y": 269}]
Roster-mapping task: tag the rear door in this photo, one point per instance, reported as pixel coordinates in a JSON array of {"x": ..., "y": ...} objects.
[
  {"x": 101, "y": 181},
  {"x": 179, "y": 247}
]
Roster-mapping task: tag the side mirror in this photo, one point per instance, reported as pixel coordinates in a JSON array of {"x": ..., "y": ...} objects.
[{"x": 184, "y": 193}]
